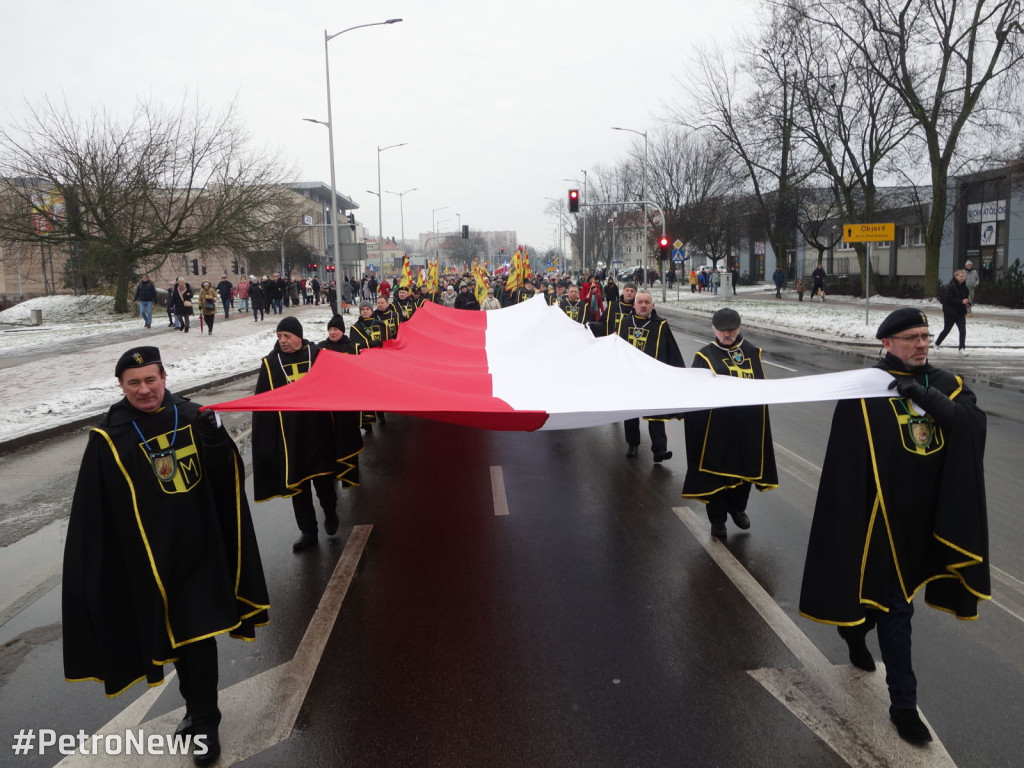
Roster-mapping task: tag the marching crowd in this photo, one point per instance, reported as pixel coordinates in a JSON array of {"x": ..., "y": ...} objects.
[{"x": 161, "y": 554}]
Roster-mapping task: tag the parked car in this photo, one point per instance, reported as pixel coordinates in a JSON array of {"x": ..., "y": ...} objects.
[{"x": 635, "y": 274}]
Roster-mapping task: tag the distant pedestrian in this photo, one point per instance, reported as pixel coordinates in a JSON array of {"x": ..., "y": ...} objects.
[
  {"x": 145, "y": 295},
  {"x": 800, "y": 288},
  {"x": 716, "y": 281},
  {"x": 955, "y": 303},
  {"x": 257, "y": 298},
  {"x": 243, "y": 294},
  {"x": 207, "y": 299},
  {"x": 225, "y": 288},
  {"x": 693, "y": 281},
  {"x": 971, "y": 279},
  {"x": 779, "y": 278},
  {"x": 182, "y": 298},
  {"x": 818, "y": 282}
]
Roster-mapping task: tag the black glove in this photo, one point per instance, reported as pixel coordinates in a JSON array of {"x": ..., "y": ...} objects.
[
  {"x": 934, "y": 402},
  {"x": 210, "y": 428}
]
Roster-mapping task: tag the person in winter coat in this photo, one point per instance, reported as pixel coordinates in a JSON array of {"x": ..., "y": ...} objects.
[
  {"x": 257, "y": 298},
  {"x": 490, "y": 302},
  {"x": 225, "y": 289},
  {"x": 145, "y": 295},
  {"x": 181, "y": 296},
  {"x": 611, "y": 291},
  {"x": 449, "y": 296},
  {"x": 207, "y": 299},
  {"x": 243, "y": 294},
  {"x": 779, "y": 278},
  {"x": 346, "y": 294},
  {"x": 971, "y": 281},
  {"x": 956, "y": 300}
]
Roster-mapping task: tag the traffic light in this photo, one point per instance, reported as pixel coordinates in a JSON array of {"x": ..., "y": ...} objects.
[
  {"x": 465, "y": 231},
  {"x": 574, "y": 201},
  {"x": 204, "y": 269},
  {"x": 234, "y": 266},
  {"x": 662, "y": 247},
  {"x": 352, "y": 221},
  {"x": 195, "y": 266}
]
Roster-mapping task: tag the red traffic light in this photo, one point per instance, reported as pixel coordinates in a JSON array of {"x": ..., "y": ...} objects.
[
  {"x": 663, "y": 242},
  {"x": 574, "y": 201}
]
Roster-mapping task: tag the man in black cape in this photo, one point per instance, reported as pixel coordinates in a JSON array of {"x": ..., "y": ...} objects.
[
  {"x": 729, "y": 449},
  {"x": 646, "y": 330},
  {"x": 901, "y": 507},
  {"x": 297, "y": 451},
  {"x": 161, "y": 555},
  {"x": 404, "y": 303},
  {"x": 574, "y": 307},
  {"x": 388, "y": 314}
]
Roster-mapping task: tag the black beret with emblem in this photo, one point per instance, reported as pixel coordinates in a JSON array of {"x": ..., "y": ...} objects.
[
  {"x": 901, "y": 320},
  {"x": 726, "y": 319},
  {"x": 137, "y": 357}
]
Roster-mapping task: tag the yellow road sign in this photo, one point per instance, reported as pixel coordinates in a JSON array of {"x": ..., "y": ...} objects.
[{"x": 869, "y": 233}]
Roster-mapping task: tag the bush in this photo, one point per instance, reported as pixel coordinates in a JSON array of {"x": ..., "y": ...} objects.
[{"x": 1006, "y": 291}]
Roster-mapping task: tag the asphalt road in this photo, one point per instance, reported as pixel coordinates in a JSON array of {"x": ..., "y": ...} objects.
[{"x": 540, "y": 600}]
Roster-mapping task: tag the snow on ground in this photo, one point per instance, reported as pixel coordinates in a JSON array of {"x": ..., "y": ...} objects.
[{"x": 64, "y": 369}]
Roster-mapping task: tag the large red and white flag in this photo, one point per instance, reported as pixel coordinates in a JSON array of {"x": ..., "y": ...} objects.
[{"x": 530, "y": 367}]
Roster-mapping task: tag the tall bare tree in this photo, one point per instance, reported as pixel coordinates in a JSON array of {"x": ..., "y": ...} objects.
[
  {"x": 127, "y": 194},
  {"x": 945, "y": 60}
]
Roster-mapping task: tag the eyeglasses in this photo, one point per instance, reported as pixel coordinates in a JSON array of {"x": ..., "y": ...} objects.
[{"x": 914, "y": 337}]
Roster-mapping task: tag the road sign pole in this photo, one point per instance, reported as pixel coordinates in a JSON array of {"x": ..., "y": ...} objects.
[{"x": 867, "y": 287}]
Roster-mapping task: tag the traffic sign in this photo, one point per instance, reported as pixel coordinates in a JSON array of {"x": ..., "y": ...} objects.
[
  {"x": 678, "y": 245},
  {"x": 678, "y": 254},
  {"x": 869, "y": 233}
]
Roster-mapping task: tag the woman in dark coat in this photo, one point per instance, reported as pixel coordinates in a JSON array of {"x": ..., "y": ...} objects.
[
  {"x": 257, "y": 298},
  {"x": 181, "y": 298},
  {"x": 955, "y": 302}
]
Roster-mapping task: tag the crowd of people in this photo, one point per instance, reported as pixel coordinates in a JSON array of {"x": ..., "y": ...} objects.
[{"x": 160, "y": 523}]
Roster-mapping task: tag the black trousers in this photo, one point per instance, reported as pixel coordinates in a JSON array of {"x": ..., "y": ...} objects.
[
  {"x": 948, "y": 321},
  {"x": 728, "y": 502},
  {"x": 656, "y": 429},
  {"x": 894, "y": 642},
  {"x": 302, "y": 503},
  {"x": 197, "y": 681}
]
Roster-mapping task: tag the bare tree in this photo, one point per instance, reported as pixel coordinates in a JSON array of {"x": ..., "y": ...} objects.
[
  {"x": 123, "y": 196},
  {"x": 944, "y": 61},
  {"x": 751, "y": 107}
]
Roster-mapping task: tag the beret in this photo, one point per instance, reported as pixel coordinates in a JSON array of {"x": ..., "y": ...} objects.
[
  {"x": 900, "y": 320},
  {"x": 137, "y": 357}
]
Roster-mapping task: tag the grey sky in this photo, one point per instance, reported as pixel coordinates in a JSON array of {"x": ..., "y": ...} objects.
[{"x": 497, "y": 102}]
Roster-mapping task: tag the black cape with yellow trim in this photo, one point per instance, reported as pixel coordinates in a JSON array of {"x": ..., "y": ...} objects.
[
  {"x": 149, "y": 565},
  {"x": 390, "y": 318},
  {"x": 899, "y": 491},
  {"x": 652, "y": 336},
  {"x": 405, "y": 309},
  {"x": 729, "y": 446},
  {"x": 369, "y": 334},
  {"x": 346, "y": 423},
  {"x": 291, "y": 447},
  {"x": 578, "y": 312},
  {"x": 608, "y": 325}
]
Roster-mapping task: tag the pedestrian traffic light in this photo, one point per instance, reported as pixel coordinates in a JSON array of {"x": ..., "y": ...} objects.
[
  {"x": 465, "y": 231},
  {"x": 195, "y": 266},
  {"x": 574, "y": 201},
  {"x": 204, "y": 269},
  {"x": 663, "y": 247},
  {"x": 234, "y": 266}
]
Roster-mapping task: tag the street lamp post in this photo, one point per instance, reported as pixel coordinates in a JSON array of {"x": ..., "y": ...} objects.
[
  {"x": 330, "y": 131},
  {"x": 401, "y": 208},
  {"x": 380, "y": 199},
  {"x": 643, "y": 197},
  {"x": 433, "y": 223}
]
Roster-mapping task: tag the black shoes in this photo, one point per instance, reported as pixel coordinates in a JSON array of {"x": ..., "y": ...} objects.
[
  {"x": 909, "y": 726},
  {"x": 212, "y": 741},
  {"x": 860, "y": 656},
  {"x": 718, "y": 531},
  {"x": 741, "y": 519},
  {"x": 185, "y": 726},
  {"x": 663, "y": 456},
  {"x": 631, "y": 451},
  {"x": 305, "y": 541},
  {"x": 331, "y": 522}
]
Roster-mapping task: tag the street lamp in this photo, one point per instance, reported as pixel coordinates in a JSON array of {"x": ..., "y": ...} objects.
[
  {"x": 401, "y": 208},
  {"x": 643, "y": 196},
  {"x": 380, "y": 199},
  {"x": 330, "y": 129}
]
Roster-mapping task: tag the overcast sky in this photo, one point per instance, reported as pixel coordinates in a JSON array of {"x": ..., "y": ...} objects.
[{"x": 497, "y": 103}]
